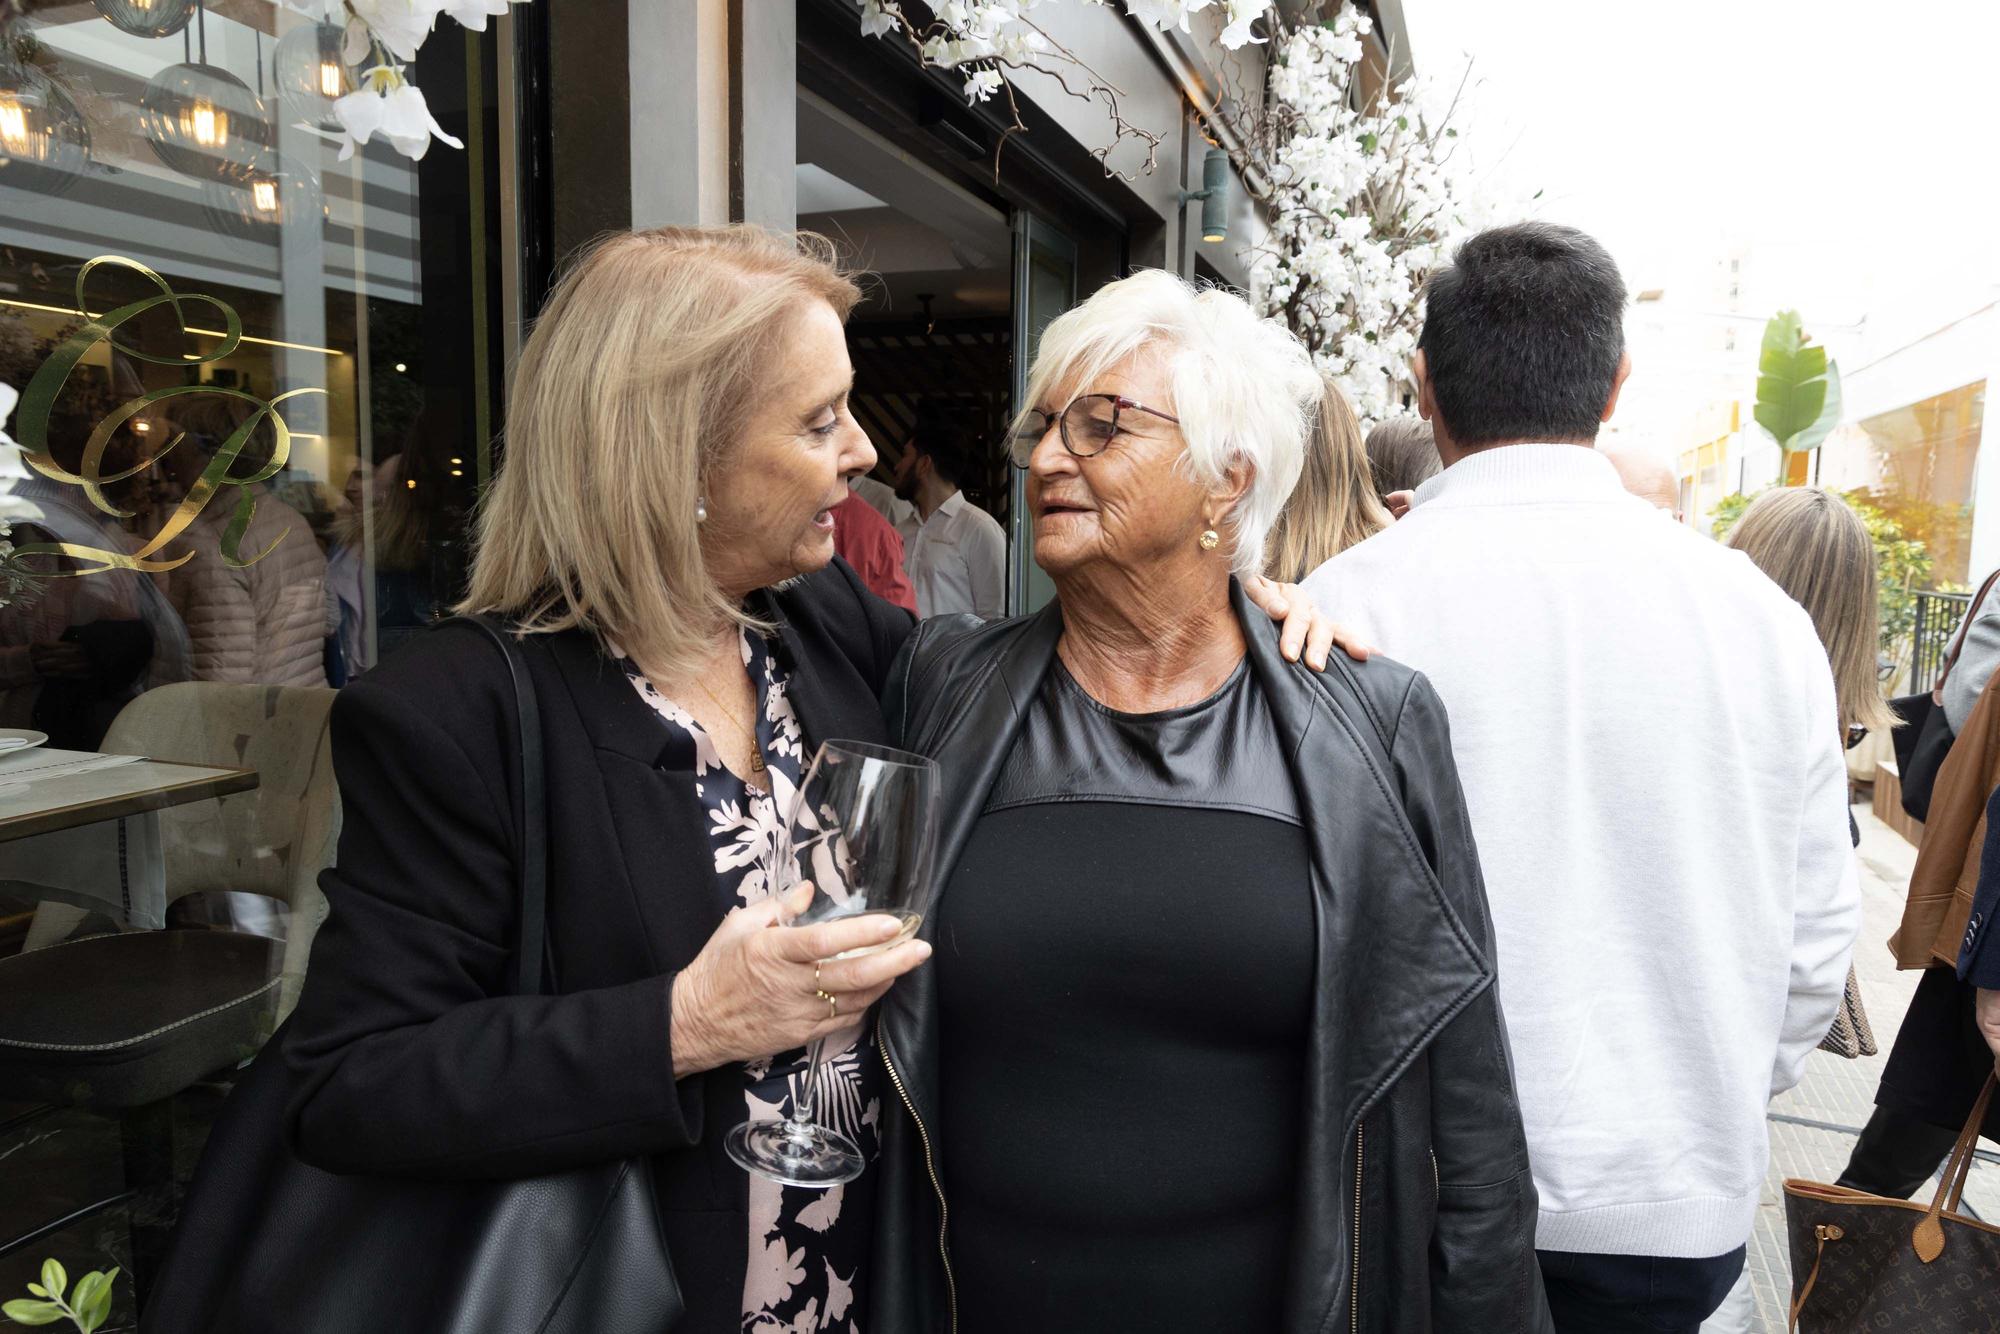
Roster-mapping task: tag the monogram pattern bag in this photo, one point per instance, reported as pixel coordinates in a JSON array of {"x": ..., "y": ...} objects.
[
  {"x": 1864, "y": 1263},
  {"x": 1850, "y": 1035}
]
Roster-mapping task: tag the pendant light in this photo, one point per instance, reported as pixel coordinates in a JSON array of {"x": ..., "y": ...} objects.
[
  {"x": 146, "y": 18},
  {"x": 309, "y": 74},
  {"x": 273, "y": 193},
  {"x": 201, "y": 120},
  {"x": 44, "y": 139}
]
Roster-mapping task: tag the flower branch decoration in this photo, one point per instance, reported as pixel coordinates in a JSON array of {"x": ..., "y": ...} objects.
[
  {"x": 385, "y": 36},
  {"x": 1363, "y": 196},
  {"x": 989, "y": 41}
]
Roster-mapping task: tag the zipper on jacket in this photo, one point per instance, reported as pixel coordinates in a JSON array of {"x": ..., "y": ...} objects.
[
  {"x": 1354, "y": 1280},
  {"x": 930, "y": 1169}
]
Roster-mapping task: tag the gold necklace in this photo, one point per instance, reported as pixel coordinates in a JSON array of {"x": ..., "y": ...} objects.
[{"x": 756, "y": 750}]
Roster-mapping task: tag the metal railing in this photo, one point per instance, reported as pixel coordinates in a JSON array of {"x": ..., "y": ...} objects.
[{"x": 1936, "y": 620}]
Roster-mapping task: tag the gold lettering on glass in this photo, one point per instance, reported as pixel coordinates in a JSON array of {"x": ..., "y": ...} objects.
[{"x": 39, "y": 399}]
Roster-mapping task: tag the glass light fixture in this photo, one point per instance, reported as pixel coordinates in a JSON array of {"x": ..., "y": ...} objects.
[
  {"x": 308, "y": 72},
  {"x": 146, "y": 18},
  {"x": 204, "y": 122},
  {"x": 273, "y": 192},
  {"x": 44, "y": 139}
]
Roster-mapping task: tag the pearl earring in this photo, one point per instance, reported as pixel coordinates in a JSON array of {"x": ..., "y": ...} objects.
[
  {"x": 701, "y": 509},
  {"x": 1210, "y": 539}
]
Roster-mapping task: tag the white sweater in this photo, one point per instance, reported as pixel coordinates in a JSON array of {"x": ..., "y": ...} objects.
[{"x": 1646, "y": 731}]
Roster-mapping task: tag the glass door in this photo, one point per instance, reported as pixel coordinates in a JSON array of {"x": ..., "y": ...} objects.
[{"x": 1044, "y": 287}]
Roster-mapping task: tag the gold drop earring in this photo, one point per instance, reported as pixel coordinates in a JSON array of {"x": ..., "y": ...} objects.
[{"x": 1210, "y": 539}]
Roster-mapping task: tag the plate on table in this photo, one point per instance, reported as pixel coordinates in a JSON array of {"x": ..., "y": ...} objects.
[{"x": 20, "y": 738}]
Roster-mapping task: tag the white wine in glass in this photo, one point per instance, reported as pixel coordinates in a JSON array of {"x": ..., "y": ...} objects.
[{"x": 863, "y": 830}]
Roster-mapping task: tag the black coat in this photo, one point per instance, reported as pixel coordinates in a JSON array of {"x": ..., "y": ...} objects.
[
  {"x": 410, "y": 1056},
  {"x": 1411, "y": 1118}
]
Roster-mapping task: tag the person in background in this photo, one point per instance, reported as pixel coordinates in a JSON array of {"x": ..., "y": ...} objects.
[
  {"x": 1334, "y": 505},
  {"x": 958, "y": 558},
  {"x": 1646, "y": 729},
  {"x": 882, "y": 498},
  {"x": 1813, "y": 546},
  {"x": 1210, "y": 1041},
  {"x": 1402, "y": 456},
  {"x": 1647, "y": 476},
  {"x": 871, "y": 544},
  {"x": 263, "y": 623}
]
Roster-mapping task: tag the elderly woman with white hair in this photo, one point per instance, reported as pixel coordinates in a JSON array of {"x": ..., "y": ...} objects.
[{"x": 1210, "y": 1038}]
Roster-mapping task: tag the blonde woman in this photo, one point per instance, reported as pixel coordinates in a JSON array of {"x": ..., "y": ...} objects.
[
  {"x": 1816, "y": 548},
  {"x": 1334, "y": 505},
  {"x": 662, "y": 533}
]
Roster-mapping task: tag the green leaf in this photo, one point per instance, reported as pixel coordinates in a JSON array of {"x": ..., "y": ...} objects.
[
  {"x": 38, "y": 1290},
  {"x": 1793, "y": 386},
  {"x": 54, "y": 1279},
  {"x": 1368, "y": 142},
  {"x": 101, "y": 1305},
  {"x": 24, "y": 1312},
  {"x": 87, "y": 1291}
]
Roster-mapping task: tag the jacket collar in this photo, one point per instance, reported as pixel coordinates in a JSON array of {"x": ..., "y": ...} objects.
[{"x": 1525, "y": 475}]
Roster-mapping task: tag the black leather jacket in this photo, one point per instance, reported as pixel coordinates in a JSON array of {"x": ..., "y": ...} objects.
[{"x": 1412, "y": 1130}]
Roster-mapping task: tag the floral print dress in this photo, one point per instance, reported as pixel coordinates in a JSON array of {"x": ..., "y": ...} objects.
[{"x": 806, "y": 1247}]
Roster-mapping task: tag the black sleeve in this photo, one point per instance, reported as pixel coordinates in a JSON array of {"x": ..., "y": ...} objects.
[
  {"x": 1484, "y": 1274},
  {"x": 409, "y": 1056}
]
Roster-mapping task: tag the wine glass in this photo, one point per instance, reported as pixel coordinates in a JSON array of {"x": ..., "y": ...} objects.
[{"x": 863, "y": 829}]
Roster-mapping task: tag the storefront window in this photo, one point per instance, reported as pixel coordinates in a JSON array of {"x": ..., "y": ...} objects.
[
  {"x": 1916, "y": 464},
  {"x": 252, "y": 388}
]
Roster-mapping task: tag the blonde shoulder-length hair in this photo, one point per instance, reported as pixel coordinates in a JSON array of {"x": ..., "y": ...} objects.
[
  {"x": 652, "y": 352},
  {"x": 1334, "y": 505},
  {"x": 1812, "y": 545}
]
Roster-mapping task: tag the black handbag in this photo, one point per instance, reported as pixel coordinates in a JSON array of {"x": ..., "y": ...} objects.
[
  {"x": 1925, "y": 737},
  {"x": 268, "y": 1243}
]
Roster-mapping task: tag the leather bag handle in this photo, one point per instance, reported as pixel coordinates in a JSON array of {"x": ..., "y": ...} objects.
[
  {"x": 531, "y": 819},
  {"x": 1958, "y": 640},
  {"x": 1928, "y": 1239}
]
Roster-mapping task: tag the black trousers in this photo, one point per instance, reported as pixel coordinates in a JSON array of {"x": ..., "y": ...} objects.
[{"x": 1635, "y": 1294}]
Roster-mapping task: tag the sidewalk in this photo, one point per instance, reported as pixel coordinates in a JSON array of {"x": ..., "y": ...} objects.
[{"x": 1814, "y": 1125}]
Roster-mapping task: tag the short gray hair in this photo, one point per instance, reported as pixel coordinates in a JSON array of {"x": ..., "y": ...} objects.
[{"x": 1243, "y": 387}]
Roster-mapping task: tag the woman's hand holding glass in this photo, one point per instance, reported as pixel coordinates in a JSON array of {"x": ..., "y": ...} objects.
[{"x": 753, "y": 992}]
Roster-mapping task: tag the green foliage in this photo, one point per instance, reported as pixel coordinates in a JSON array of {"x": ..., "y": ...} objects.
[
  {"x": 1798, "y": 386},
  {"x": 1902, "y": 564},
  {"x": 88, "y": 1306}
]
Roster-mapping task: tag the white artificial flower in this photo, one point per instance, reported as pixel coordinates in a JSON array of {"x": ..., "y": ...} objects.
[
  {"x": 878, "y": 18},
  {"x": 982, "y": 85},
  {"x": 474, "y": 13},
  {"x": 393, "y": 107},
  {"x": 401, "y": 25}
]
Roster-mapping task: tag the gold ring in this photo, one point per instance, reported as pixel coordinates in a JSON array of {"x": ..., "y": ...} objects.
[{"x": 832, "y": 1002}]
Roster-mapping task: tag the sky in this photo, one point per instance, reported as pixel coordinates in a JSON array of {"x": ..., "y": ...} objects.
[{"x": 1850, "y": 150}]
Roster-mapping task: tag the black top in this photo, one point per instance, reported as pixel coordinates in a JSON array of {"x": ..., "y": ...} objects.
[
  {"x": 1125, "y": 960},
  {"x": 409, "y": 1055}
]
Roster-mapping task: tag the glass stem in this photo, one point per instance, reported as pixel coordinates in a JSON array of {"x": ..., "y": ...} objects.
[{"x": 800, "y": 1126}]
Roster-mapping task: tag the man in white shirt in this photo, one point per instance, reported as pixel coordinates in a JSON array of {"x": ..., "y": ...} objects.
[
  {"x": 1645, "y": 729},
  {"x": 958, "y": 556},
  {"x": 898, "y": 511}
]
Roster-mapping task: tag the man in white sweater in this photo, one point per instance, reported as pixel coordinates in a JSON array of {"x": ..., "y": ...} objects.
[{"x": 1646, "y": 732}]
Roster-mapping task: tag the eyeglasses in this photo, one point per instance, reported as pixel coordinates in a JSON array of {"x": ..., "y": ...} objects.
[{"x": 1088, "y": 425}]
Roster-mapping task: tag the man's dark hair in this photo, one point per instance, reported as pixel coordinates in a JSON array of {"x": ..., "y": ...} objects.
[
  {"x": 1523, "y": 332},
  {"x": 940, "y": 437}
]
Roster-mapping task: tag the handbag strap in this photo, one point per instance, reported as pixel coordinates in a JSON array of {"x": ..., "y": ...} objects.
[
  {"x": 531, "y": 810},
  {"x": 1958, "y": 640},
  {"x": 1928, "y": 1239}
]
